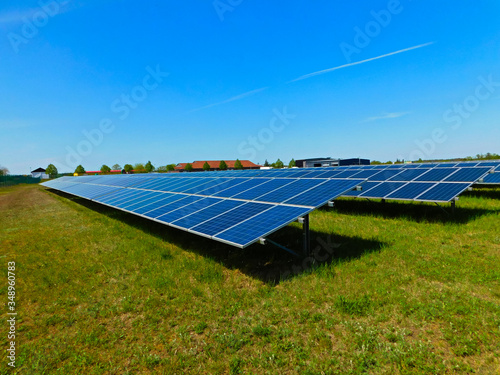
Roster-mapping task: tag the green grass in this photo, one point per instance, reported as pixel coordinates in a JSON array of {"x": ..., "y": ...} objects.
[{"x": 410, "y": 289}]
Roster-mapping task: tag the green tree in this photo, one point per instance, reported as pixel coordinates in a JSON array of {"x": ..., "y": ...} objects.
[
  {"x": 292, "y": 163},
  {"x": 117, "y": 167},
  {"x": 188, "y": 167},
  {"x": 80, "y": 169},
  {"x": 3, "y": 171},
  {"x": 139, "y": 168},
  {"x": 128, "y": 168},
  {"x": 171, "y": 167},
  {"x": 237, "y": 164},
  {"x": 149, "y": 167},
  {"x": 278, "y": 164},
  {"x": 105, "y": 169},
  {"x": 222, "y": 165},
  {"x": 51, "y": 171},
  {"x": 162, "y": 169},
  {"x": 266, "y": 163},
  {"x": 206, "y": 166},
  {"x": 375, "y": 162}
]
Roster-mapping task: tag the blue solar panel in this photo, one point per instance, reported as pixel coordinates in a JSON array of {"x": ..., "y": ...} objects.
[
  {"x": 257, "y": 191},
  {"x": 443, "y": 192},
  {"x": 189, "y": 209},
  {"x": 468, "y": 174},
  {"x": 143, "y": 201},
  {"x": 321, "y": 194},
  {"x": 411, "y": 190},
  {"x": 366, "y": 174},
  {"x": 288, "y": 191},
  {"x": 231, "y": 218},
  {"x": 409, "y": 174},
  {"x": 492, "y": 178},
  {"x": 184, "y": 185},
  {"x": 228, "y": 183},
  {"x": 165, "y": 199},
  {"x": 381, "y": 190},
  {"x": 162, "y": 210},
  {"x": 121, "y": 196},
  {"x": 237, "y": 189},
  {"x": 488, "y": 164},
  {"x": 346, "y": 174},
  {"x": 466, "y": 165},
  {"x": 365, "y": 187},
  {"x": 210, "y": 183},
  {"x": 260, "y": 225},
  {"x": 446, "y": 165},
  {"x": 138, "y": 196},
  {"x": 436, "y": 175},
  {"x": 385, "y": 175},
  {"x": 206, "y": 214},
  {"x": 326, "y": 174}
]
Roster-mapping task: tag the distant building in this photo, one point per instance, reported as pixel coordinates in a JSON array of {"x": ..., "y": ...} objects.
[
  {"x": 39, "y": 173},
  {"x": 329, "y": 162},
  {"x": 214, "y": 165}
]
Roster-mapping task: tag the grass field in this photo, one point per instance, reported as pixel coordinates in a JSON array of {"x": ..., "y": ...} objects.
[{"x": 410, "y": 289}]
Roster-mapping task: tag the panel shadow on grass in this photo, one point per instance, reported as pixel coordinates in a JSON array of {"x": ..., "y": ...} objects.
[
  {"x": 268, "y": 263},
  {"x": 414, "y": 211},
  {"x": 488, "y": 192}
]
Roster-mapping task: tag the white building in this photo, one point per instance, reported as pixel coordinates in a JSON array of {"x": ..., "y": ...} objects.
[{"x": 39, "y": 173}]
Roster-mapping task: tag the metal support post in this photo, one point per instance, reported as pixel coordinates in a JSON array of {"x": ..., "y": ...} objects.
[{"x": 306, "y": 236}]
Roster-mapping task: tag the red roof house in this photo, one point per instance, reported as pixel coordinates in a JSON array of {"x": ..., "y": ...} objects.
[{"x": 214, "y": 165}]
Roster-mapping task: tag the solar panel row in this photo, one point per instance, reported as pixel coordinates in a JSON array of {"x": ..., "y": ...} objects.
[
  {"x": 240, "y": 207},
  {"x": 238, "y": 211}
]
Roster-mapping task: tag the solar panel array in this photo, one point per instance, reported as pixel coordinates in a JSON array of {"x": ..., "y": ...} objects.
[
  {"x": 240, "y": 207},
  {"x": 428, "y": 182},
  {"x": 235, "y": 210}
]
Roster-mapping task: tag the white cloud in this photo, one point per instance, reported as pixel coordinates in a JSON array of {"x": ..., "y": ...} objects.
[
  {"x": 234, "y": 98},
  {"x": 359, "y": 62},
  {"x": 385, "y": 116}
]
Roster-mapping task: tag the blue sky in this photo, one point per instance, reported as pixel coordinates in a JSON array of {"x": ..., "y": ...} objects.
[{"x": 413, "y": 78}]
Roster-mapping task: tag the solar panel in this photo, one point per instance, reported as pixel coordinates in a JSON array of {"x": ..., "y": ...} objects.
[
  {"x": 409, "y": 174},
  {"x": 492, "y": 178},
  {"x": 436, "y": 174},
  {"x": 393, "y": 182},
  {"x": 443, "y": 192},
  {"x": 235, "y": 210},
  {"x": 365, "y": 187},
  {"x": 260, "y": 225},
  {"x": 410, "y": 190},
  {"x": 231, "y": 218},
  {"x": 381, "y": 190},
  {"x": 468, "y": 174}
]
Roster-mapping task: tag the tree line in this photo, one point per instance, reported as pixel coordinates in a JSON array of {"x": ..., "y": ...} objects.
[
  {"x": 478, "y": 157},
  {"x": 149, "y": 167}
]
